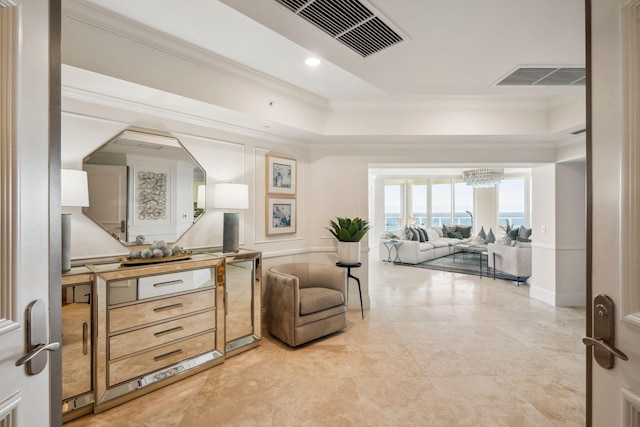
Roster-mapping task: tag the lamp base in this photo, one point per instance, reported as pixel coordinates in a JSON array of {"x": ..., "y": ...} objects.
[
  {"x": 66, "y": 242},
  {"x": 231, "y": 232}
]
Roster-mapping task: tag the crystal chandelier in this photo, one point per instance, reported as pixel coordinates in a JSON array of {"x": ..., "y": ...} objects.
[{"x": 483, "y": 178}]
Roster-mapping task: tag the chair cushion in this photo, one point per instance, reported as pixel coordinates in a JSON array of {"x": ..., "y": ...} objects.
[{"x": 313, "y": 300}]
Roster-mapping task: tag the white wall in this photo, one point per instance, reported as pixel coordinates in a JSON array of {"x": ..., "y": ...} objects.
[
  {"x": 559, "y": 234},
  {"x": 543, "y": 280}
]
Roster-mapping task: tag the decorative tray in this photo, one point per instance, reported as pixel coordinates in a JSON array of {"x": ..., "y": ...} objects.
[{"x": 143, "y": 261}]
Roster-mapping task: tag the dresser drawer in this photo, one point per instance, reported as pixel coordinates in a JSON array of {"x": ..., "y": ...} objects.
[
  {"x": 136, "y": 315},
  {"x": 164, "y": 333},
  {"x": 159, "y": 358},
  {"x": 171, "y": 283}
]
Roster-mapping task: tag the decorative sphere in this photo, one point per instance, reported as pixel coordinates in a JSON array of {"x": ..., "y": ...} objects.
[
  {"x": 134, "y": 254},
  {"x": 177, "y": 250},
  {"x": 146, "y": 253},
  {"x": 161, "y": 244},
  {"x": 166, "y": 251},
  {"x": 157, "y": 253}
]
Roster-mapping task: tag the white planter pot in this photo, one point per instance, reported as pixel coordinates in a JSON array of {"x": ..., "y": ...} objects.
[{"x": 349, "y": 253}]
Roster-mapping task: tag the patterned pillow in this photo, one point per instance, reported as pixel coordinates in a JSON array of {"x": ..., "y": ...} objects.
[
  {"x": 423, "y": 234},
  {"x": 408, "y": 234}
]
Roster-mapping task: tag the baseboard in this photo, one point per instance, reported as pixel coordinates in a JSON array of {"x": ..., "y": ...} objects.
[
  {"x": 543, "y": 295},
  {"x": 574, "y": 299}
]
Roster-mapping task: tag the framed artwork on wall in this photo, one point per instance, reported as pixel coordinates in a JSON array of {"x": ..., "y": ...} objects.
[
  {"x": 281, "y": 175},
  {"x": 281, "y": 215}
]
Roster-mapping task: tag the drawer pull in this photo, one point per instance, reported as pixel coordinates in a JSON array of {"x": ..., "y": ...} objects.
[
  {"x": 168, "y": 331},
  {"x": 169, "y": 283},
  {"x": 167, "y": 307},
  {"x": 164, "y": 356},
  {"x": 85, "y": 338}
]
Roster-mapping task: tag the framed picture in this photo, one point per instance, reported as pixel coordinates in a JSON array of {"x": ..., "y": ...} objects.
[
  {"x": 281, "y": 215},
  {"x": 152, "y": 195},
  {"x": 281, "y": 175}
]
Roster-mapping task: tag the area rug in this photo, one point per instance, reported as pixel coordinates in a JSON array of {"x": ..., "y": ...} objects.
[{"x": 465, "y": 263}]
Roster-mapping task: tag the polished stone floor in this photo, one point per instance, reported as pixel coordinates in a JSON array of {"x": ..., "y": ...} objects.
[{"x": 435, "y": 349}]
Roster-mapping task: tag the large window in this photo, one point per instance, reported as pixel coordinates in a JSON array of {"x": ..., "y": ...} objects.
[
  {"x": 419, "y": 211},
  {"x": 441, "y": 206},
  {"x": 511, "y": 202},
  {"x": 463, "y": 203},
  {"x": 393, "y": 204},
  {"x": 426, "y": 202}
]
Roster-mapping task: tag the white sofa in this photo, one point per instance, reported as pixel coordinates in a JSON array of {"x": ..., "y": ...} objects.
[
  {"x": 415, "y": 252},
  {"x": 512, "y": 260}
]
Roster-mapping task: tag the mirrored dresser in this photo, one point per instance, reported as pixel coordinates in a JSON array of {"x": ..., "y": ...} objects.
[{"x": 128, "y": 330}]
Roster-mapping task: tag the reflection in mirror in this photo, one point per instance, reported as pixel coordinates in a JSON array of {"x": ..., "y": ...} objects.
[
  {"x": 144, "y": 187},
  {"x": 239, "y": 284}
]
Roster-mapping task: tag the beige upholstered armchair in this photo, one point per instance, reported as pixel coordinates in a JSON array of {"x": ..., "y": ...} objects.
[
  {"x": 512, "y": 260},
  {"x": 305, "y": 301}
]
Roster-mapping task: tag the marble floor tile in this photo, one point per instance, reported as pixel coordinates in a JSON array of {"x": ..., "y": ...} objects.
[{"x": 434, "y": 349}]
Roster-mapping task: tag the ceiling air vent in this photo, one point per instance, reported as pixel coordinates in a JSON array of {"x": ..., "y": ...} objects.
[
  {"x": 545, "y": 76},
  {"x": 348, "y": 21}
]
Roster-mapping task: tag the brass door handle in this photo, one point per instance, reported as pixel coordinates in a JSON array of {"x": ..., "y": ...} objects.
[{"x": 588, "y": 341}]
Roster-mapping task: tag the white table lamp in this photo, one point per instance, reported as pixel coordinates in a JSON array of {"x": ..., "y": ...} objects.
[
  {"x": 231, "y": 196},
  {"x": 74, "y": 192}
]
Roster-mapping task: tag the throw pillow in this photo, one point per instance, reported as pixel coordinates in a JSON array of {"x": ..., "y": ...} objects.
[
  {"x": 439, "y": 231},
  {"x": 524, "y": 232},
  {"x": 423, "y": 234},
  {"x": 414, "y": 234},
  {"x": 513, "y": 233},
  {"x": 465, "y": 230},
  {"x": 491, "y": 238},
  {"x": 521, "y": 244},
  {"x": 388, "y": 235},
  {"x": 482, "y": 234},
  {"x": 446, "y": 229},
  {"x": 455, "y": 235},
  {"x": 522, "y": 239},
  {"x": 506, "y": 241},
  {"x": 433, "y": 234},
  {"x": 408, "y": 234}
]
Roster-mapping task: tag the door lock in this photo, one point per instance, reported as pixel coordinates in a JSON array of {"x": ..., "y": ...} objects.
[{"x": 603, "y": 328}]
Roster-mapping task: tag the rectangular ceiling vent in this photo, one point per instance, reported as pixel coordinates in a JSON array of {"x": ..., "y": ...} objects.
[
  {"x": 545, "y": 76},
  {"x": 348, "y": 21}
]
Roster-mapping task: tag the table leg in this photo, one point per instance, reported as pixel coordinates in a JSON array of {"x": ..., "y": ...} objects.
[{"x": 349, "y": 275}]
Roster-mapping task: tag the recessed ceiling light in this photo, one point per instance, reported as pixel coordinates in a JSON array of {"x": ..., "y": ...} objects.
[{"x": 312, "y": 62}]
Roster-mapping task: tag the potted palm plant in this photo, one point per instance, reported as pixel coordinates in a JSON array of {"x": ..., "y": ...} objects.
[{"x": 349, "y": 232}]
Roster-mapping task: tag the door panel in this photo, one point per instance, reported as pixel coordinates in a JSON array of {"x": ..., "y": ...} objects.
[
  {"x": 615, "y": 142},
  {"x": 24, "y": 201}
]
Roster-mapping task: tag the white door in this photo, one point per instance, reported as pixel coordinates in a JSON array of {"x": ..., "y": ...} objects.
[
  {"x": 24, "y": 202},
  {"x": 615, "y": 133}
]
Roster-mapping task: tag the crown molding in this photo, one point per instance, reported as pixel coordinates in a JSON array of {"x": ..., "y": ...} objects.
[
  {"x": 134, "y": 31},
  {"x": 109, "y": 101},
  {"x": 450, "y": 103}
]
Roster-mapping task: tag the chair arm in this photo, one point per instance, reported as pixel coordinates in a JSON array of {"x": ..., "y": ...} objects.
[{"x": 283, "y": 292}]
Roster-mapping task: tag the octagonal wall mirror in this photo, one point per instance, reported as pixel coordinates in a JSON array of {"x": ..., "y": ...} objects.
[{"x": 144, "y": 187}]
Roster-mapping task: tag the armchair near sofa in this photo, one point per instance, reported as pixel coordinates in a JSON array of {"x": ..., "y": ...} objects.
[
  {"x": 305, "y": 301},
  {"x": 512, "y": 260}
]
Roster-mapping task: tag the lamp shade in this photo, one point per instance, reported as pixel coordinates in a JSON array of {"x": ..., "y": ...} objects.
[
  {"x": 75, "y": 188},
  {"x": 231, "y": 196}
]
